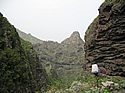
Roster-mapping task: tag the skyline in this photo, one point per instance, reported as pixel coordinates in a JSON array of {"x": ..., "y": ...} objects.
[{"x": 52, "y": 20}]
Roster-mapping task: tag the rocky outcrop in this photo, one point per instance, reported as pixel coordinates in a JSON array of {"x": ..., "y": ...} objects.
[
  {"x": 105, "y": 38},
  {"x": 65, "y": 58},
  {"x": 20, "y": 71},
  {"x": 73, "y": 39}
]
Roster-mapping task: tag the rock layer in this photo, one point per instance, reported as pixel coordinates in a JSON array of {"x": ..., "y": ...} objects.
[
  {"x": 105, "y": 38},
  {"x": 65, "y": 58}
]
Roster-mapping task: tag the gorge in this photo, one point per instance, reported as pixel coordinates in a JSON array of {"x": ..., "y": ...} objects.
[{"x": 31, "y": 65}]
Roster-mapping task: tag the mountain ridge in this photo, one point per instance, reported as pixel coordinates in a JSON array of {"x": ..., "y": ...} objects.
[
  {"x": 34, "y": 40},
  {"x": 65, "y": 58},
  {"x": 29, "y": 37}
]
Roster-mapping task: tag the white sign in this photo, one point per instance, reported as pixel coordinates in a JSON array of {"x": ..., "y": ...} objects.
[{"x": 95, "y": 69}]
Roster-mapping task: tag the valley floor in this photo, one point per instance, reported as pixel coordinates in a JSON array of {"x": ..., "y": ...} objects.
[{"x": 89, "y": 84}]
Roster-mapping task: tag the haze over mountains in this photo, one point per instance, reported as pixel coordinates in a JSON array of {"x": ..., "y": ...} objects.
[
  {"x": 30, "y": 65},
  {"x": 65, "y": 58}
]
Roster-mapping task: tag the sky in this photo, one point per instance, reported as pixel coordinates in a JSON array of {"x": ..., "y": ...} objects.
[{"x": 52, "y": 20}]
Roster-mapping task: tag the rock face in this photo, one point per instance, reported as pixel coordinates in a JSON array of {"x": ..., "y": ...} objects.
[
  {"x": 74, "y": 39},
  {"x": 20, "y": 71},
  {"x": 105, "y": 38},
  {"x": 29, "y": 37},
  {"x": 65, "y": 58}
]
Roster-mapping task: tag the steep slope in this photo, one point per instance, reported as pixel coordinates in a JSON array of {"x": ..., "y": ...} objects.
[
  {"x": 105, "y": 38},
  {"x": 74, "y": 39},
  {"x": 70, "y": 55},
  {"x": 29, "y": 37},
  {"x": 65, "y": 58},
  {"x": 20, "y": 71},
  {"x": 73, "y": 47}
]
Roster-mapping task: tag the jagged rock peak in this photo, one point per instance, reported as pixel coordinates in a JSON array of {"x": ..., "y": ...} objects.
[
  {"x": 75, "y": 34},
  {"x": 73, "y": 39}
]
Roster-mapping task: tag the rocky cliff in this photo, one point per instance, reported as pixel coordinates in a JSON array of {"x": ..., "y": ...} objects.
[
  {"x": 65, "y": 58},
  {"x": 105, "y": 38},
  {"x": 20, "y": 71}
]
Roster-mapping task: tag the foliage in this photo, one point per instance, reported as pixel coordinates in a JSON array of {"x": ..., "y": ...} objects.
[
  {"x": 20, "y": 71},
  {"x": 87, "y": 84},
  {"x": 64, "y": 59}
]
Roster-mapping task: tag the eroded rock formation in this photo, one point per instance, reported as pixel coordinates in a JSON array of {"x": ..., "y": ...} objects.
[
  {"x": 65, "y": 58},
  {"x": 105, "y": 38}
]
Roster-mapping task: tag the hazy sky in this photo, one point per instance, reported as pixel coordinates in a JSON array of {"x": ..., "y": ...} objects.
[{"x": 51, "y": 19}]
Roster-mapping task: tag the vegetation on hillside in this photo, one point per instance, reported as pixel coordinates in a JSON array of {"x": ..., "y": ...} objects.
[
  {"x": 20, "y": 71},
  {"x": 28, "y": 37},
  {"x": 62, "y": 60}
]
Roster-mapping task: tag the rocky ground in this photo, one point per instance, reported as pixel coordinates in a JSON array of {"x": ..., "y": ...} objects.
[{"x": 88, "y": 84}]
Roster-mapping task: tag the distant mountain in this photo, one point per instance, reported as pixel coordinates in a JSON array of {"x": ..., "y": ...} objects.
[
  {"x": 65, "y": 58},
  {"x": 29, "y": 37},
  {"x": 74, "y": 39}
]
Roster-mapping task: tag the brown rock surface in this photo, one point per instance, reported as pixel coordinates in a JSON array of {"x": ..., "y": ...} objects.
[{"x": 105, "y": 38}]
